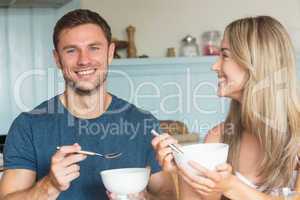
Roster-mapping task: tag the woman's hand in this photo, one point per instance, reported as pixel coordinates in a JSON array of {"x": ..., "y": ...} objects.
[
  {"x": 207, "y": 182},
  {"x": 163, "y": 152}
]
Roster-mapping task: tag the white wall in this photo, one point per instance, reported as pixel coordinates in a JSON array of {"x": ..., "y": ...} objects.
[
  {"x": 163, "y": 23},
  {"x": 27, "y": 67}
]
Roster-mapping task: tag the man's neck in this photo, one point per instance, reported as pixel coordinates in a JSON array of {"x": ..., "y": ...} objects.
[{"x": 87, "y": 106}]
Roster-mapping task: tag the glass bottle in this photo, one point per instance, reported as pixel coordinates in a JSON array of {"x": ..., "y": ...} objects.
[
  {"x": 211, "y": 43},
  {"x": 189, "y": 47}
]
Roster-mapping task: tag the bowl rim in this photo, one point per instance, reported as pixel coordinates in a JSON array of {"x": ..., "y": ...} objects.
[
  {"x": 128, "y": 170},
  {"x": 221, "y": 145}
]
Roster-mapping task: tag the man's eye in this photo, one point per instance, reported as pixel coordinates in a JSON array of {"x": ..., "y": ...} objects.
[
  {"x": 95, "y": 48},
  {"x": 70, "y": 50}
]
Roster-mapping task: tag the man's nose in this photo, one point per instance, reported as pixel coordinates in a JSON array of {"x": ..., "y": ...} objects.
[{"x": 84, "y": 58}]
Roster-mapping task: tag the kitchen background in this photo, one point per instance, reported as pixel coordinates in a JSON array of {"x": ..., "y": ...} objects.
[
  {"x": 163, "y": 23},
  {"x": 171, "y": 88}
]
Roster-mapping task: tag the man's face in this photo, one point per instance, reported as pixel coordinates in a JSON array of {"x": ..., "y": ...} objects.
[{"x": 83, "y": 54}]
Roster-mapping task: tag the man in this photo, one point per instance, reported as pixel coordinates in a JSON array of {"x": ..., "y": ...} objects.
[{"x": 84, "y": 117}]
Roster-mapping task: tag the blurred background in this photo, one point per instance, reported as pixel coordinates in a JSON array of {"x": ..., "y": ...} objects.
[{"x": 165, "y": 49}]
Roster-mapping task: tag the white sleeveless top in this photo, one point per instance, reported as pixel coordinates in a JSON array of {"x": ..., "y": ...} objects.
[{"x": 273, "y": 192}]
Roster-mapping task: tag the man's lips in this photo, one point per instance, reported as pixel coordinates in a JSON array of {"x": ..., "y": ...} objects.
[{"x": 86, "y": 72}]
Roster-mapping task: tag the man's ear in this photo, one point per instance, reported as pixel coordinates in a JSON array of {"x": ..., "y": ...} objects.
[
  {"x": 111, "y": 51},
  {"x": 57, "y": 59}
]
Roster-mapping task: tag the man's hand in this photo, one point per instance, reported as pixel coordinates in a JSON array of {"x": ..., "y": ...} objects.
[
  {"x": 20, "y": 183},
  {"x": 64, "y": 168}
]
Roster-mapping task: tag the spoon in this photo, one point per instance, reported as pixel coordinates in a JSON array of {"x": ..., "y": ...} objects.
[
  {"x": 172, "y": 146},
  {"x": 106, "y": 156}
]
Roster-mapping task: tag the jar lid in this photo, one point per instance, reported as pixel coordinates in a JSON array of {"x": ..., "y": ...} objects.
[
  {"x": 189, "y": 39},
  {"x": 211, "y": 34}
]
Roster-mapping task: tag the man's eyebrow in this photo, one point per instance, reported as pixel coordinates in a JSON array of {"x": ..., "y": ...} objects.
[
  {"x": 69, "y": 47},
  {"x": 96, "y": 44}
]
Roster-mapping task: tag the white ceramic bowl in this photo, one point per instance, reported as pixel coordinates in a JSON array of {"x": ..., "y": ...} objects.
[
  {"x": 208, "y": 155},
  {"x": 125, "y": 181}
]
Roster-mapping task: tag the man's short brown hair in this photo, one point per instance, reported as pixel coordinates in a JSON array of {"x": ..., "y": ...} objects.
[{"x": 79, "y": 17}]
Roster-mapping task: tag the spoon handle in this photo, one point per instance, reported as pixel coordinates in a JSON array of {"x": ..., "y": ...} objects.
[{"x": 89, "y": 153}]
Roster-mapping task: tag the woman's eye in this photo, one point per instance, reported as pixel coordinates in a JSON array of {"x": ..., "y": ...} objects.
[{"x": 224, "y": 55}]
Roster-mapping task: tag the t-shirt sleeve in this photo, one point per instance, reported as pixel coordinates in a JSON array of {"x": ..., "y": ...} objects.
[
  {"x": 151, "y": 158},
  {"x": 19, "y": 150}
]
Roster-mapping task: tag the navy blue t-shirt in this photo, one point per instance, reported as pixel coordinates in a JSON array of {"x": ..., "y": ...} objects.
[{"x": 34, "y": 136}]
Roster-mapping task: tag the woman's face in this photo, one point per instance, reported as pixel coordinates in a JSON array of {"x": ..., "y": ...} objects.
[{"x": 231, "y": 76}]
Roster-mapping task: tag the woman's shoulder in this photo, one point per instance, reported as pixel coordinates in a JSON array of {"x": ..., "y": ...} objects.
[{"x": 214, "y": 135}]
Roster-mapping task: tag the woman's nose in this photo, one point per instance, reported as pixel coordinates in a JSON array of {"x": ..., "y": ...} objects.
[{"x": 217, "y": 65}]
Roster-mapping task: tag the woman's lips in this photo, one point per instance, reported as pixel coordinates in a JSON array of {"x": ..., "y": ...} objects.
[{"x": 222, "y": 81}]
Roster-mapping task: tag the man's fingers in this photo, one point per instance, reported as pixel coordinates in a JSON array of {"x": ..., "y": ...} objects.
[
  {"x": 72, "y": 159},
  {"x": 71, "y": 169},
  {"x": 70, "y": 177},
  {"x": 64, "y": 150}
]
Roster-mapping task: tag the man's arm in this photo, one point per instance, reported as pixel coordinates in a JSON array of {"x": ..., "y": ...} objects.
[
  {"x": 19, "y": 184},
  {"x": 161, "y": 187}
]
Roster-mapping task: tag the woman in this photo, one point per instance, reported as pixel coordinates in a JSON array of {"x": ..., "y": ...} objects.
[{"x": 256, "y": 69}]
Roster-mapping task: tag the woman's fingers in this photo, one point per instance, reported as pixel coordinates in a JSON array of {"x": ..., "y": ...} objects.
[
  {"x": 194, "y": 185},
  {"x": 197, "y": 179},
  {"x": 164, "y": 153},
  {"x": 167, "y": 141},
  {"x": 215, "y": 176},
  {"x": 224, "y": 167},
  {"x": 158, "y": 139},
  {"x": 163, "y": 141}
]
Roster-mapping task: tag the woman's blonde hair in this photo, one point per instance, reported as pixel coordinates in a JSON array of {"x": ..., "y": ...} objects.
[{"x": 269, "y": 108}]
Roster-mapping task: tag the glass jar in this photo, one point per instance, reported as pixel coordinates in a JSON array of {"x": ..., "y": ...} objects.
[
  {"x": 189, "y": 47},
  {"x": 211, "y": 43}
]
